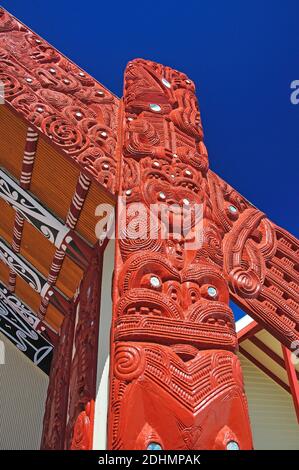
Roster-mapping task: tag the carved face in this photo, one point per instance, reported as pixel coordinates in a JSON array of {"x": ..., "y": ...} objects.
[
  {"x": 175, "y": 251},
  {"x": 180, "y": 250}
]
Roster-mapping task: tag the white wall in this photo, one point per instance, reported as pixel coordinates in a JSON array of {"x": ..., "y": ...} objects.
[
  {"x": 23, "y": 390},
  {"x": 271, "y": 410},
  {"x": 101, "y": 405}
]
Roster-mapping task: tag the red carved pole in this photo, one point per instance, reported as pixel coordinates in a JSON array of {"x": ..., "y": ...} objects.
[
  {"x": 69, "y": 411},
  {"x": 82, "y": 387},
  {"x": 176, "y": 382},
  {"x": 57, "y": 397}
]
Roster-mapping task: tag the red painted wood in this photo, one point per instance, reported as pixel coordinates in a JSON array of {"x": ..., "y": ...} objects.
[
  {"x": 57, "y": 99},
  {"x": 248, "y": 331},
  {"x": 69, "y": 414},
  {"x": 54, "y": 424},
  {"x": 272, "y": 354},
  {"x": 175, "y": 377},
  {"x": 242, "y": 250},
  {"x": 83, "y": 369}
]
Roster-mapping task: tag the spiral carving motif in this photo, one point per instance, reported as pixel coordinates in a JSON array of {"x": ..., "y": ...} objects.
[
  {"x": 245, "y": 283},
  {"x": 63, "y": 102},
  {"x": 129, "y": 362},
  {"x": 171, "y": 311}
]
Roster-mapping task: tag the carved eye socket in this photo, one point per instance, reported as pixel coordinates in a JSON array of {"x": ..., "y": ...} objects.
[
  {"x": 210, "y": 292},
  {"x": 232, "y": 211},
  {"x": 232, "y": 445},
  {"x": 194, "y": 296},
  {"x": 151, "y": 281},
  {"x": 173, "y": 293},
  {"x": 154, "y": 446}
]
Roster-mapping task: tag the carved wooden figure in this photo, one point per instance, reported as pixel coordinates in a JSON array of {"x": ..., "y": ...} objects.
[
  {"x": 187, "y": 241},
  {"x": 176, "y": 382}
]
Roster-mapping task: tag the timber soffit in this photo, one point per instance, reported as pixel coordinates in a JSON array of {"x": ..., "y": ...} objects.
[{"x": 264, "y": 351}]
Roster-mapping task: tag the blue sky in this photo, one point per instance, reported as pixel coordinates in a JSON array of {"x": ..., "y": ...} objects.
[{"x": 241, "y": 55}]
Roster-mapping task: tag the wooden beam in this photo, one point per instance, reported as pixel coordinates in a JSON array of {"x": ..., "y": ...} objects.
[
  {"x": 264, "y": 369},
  {"x": 272, "y": 354},
  {"x": 248, "y": 331},
  {"x": 82, "y": 188},
  {"x": 292, "y": 376},
  {"x": 25, "y": 181}
]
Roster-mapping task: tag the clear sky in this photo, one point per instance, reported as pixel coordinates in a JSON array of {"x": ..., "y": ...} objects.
[{"x": 242, "y": 56}]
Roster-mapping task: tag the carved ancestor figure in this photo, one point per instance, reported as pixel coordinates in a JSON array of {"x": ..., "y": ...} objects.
[{"x": 176, "y": 382}]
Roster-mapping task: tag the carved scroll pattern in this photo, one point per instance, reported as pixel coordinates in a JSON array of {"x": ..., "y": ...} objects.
[
  {"x": 57, "y": 396},
  {"x": 83, "y": 370},
  {"x": 64, "y": 103},
  {"x": 261, "y": 262},
  {"x": 175, "y": 378}
]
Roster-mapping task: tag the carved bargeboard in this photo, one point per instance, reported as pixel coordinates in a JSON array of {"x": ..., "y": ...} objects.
[
  {"x": 60, "y": 100},
  {"x": 261, "y": 262},
  {"x": 176, "y": 382}
]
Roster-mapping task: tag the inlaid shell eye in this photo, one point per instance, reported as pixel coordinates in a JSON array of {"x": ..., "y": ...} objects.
[{"x": 155, "y": 282}]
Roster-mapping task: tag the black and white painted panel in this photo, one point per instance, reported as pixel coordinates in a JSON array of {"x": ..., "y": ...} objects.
[
  {"x": 33, "y": 277},
  {"x": 23, "y": 269},
  {"x": 18, "y": 323},
  {"x": 33, "y": 211},
  {"x": 58, "y": 233}
]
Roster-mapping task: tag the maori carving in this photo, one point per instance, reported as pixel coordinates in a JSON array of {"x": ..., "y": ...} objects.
[
  {"x": 173, "y": 353},
  {"x": 83, "y": 370},
  {"x": 64, "y": 103},
  {"x": 57, "y": 396},
  {"x": 69, "y": 416},
  {"x": 83, "y": 429},
  {"x": 18, "y": 324},
  {"x": 21, "y": 309},
  {"x": 59, "y": 234},
  {"x": 261, "y": 262}
]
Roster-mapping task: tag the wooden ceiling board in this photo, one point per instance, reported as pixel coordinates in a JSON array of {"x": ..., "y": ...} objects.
[
  {"x": 54, "y": 318},
  {"x": 4, "y": 273},
  {"x": 69, "y": 277},
  {"x": 87, "y": 222},
  {"x": 32, "y": 299},
  {"x": 13, "y": 133},
  {"x": 7, "y": 220},
  {"x": 36, "y": 249},
  {"x": 54, "y": 180},
  {"x": 27, "y": 294}
]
